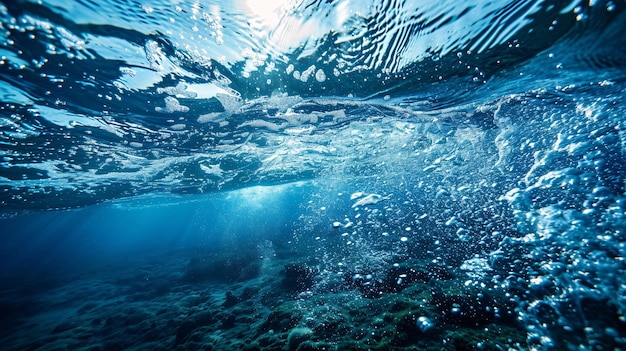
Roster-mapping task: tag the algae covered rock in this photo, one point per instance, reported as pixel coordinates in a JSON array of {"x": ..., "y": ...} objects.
[{"x": 297, "y": 336}]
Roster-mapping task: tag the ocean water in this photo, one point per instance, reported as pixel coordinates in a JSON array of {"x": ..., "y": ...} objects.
[{"x": 312, "y": 175}]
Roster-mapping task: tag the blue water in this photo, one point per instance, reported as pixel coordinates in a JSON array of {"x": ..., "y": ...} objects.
[{"x": 313, "y": 175}]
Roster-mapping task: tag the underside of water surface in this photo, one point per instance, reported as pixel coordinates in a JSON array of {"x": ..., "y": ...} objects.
[{"x": 313, "y": 175}]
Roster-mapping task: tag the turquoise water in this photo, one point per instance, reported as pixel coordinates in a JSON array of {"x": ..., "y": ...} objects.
[{"x": 312, "y": 175}]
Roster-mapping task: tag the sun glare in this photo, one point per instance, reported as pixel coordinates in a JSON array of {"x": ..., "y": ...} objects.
[
  {"x": 276, "y": 21},
  {"x": 268, "y": 11}
]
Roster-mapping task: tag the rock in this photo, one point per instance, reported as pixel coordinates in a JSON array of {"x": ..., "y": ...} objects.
[
  {"x": 228, "y": 321},
  {"x": 248, "y": 293},
  {"x": 231, "y": 300},
  {"x": 280, "y": 320},
  {"x": 438, "y": 272},
  {"x": 252, "y": 347},
  {"x": 64, "y": 326},
  {"x": 394, "y": 279},
  {"x": 332, "y": 325},
  {"x": 222, "y": 267},
  {"x": 203, "y": 318},
  {"x": 367, "y": 284},
  {"x": 465, "y": 311},
  {"x": 184, "y": 330},
  {"x": 297, "y": 336},
  {"x": 398, "y": 278},
  {"x": 298, "y": 277}
]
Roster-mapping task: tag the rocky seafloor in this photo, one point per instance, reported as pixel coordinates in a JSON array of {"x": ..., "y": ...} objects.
[{"x": 262, "y": 299}]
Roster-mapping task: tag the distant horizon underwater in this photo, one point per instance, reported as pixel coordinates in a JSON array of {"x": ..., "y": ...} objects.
[{"x": 308, "y": 175}]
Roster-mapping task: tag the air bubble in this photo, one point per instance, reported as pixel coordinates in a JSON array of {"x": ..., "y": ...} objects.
[
  {"x": 610, "y": 6},
  {"x": 320, "y": 76}
]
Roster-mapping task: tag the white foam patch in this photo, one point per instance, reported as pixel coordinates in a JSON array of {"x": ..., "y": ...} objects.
[
  {"x": 370, "y": 199},
  {"x": 171, "y": 106},
  {"x": 214, "y": 117},
  {"x": 181, "y": 90},
  {"x": 178, "y": 127},
  {"x": 356, "y": 195},
  {"x": 259, "y": 123},
  {"x": 215, "y": 170}
]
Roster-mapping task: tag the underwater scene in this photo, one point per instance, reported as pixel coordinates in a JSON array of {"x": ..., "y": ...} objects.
[{"x": 308, "y": 175}]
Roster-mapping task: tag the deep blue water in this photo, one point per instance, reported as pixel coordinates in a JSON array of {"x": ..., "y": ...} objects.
[{"x": 455, "y": 170}]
